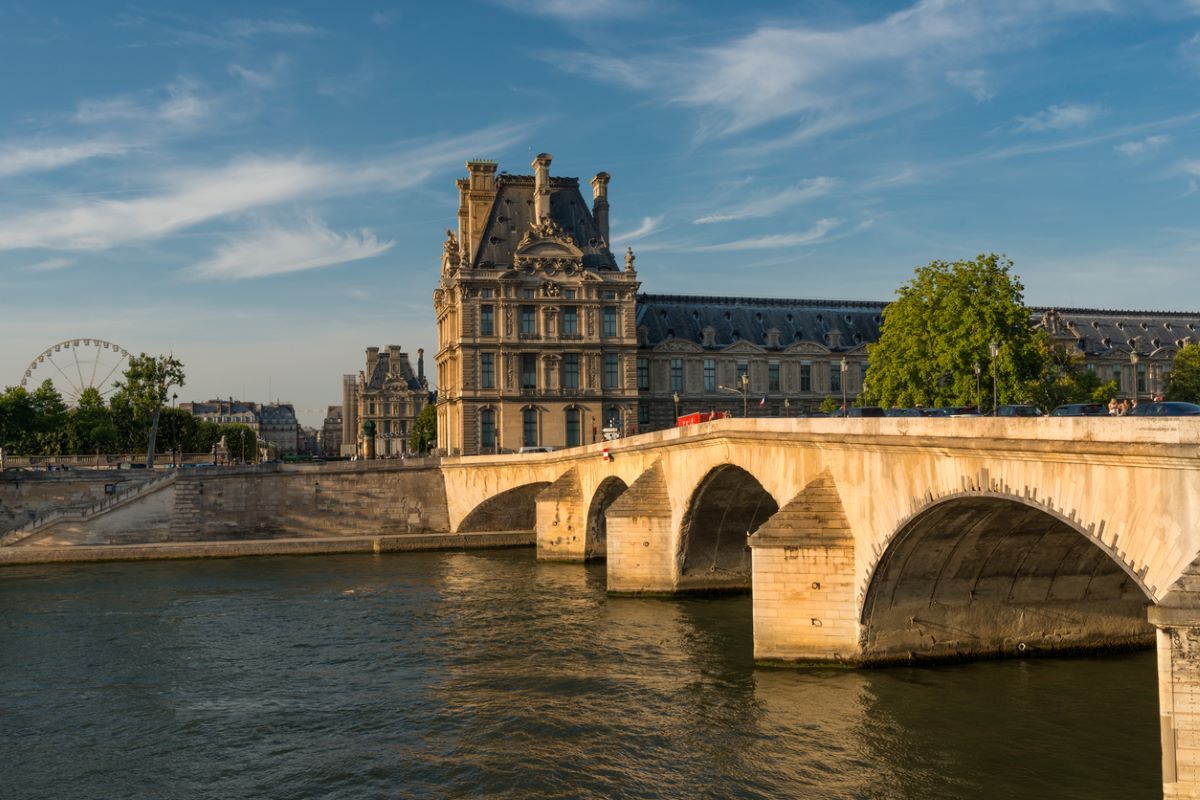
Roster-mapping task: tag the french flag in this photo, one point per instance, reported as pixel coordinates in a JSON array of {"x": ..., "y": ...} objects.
[{"x": 763, "y": 402}]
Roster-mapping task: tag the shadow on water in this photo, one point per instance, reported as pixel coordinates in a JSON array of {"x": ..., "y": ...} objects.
[{"x": 488, "y": 674}]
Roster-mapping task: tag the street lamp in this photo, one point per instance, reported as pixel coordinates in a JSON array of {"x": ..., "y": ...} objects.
[
  {"x": 242, "y": 451},
  {"x": 675, "y": 397},
  {"x": 978, "y": 369},
  {"x": 744, "y": 384},
  {"x": 1133, "y": 362},
  {"x": 845, "y": 371},
  {"x": 994, "y": 349},
  {"x": 174, "y": 431},
  {"x": 787, "y": 406}
]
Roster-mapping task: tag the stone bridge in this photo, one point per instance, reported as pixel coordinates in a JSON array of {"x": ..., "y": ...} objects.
[{"x": 882, "y": 540}]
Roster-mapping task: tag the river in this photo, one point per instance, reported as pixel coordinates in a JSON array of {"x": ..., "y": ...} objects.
[{"x": 490, "y": 675}]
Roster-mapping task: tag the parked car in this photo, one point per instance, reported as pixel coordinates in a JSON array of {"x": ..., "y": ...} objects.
[
  {"x": 1018, "y": 411},
  {"x": 866, "y": 411},
  {"x": 1080, "y": 410},
  {"x": 904, "y": 412},
  {"x": 1167, "y": 409},
  {"x": 541, "y": 449}
]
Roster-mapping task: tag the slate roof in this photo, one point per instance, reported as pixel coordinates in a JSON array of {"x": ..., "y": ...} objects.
[
  {"x": 512, "y": 214},
  {"x": 402, "y": 370},
  {"x": 748, "y": 319},
  {"x": 1108, "y": 331}
]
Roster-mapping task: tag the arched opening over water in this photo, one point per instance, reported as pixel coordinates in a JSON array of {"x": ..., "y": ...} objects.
[
  {"x": 989, "y": 576},
  {"x": 597, "y": 525},
  {"x": 514, "y": 510},
  {"x": 728, "y": 505}
]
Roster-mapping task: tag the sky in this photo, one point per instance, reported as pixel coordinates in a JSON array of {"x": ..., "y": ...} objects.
[{"x": 262, "y": 190}]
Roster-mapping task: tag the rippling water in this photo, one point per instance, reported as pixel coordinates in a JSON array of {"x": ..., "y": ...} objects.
[{"x": 490, "y": 675}]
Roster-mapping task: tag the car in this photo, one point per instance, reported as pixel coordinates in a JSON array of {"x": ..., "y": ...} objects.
[
  {"x": 904, "y": 412},
  {"x": 1080, "y": 410},
  {"x": 866, "y": 411},
  {"x": 1022, "y": 410},
  {"x": 539, "y": 449},
  {"x": 1165, "y": 409}
]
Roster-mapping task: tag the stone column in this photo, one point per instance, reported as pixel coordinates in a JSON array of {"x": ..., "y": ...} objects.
[{"x": 1179, "y": 698}]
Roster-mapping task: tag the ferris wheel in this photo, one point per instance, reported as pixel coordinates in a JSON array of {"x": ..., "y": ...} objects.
[{"x": 77, "y": 365}]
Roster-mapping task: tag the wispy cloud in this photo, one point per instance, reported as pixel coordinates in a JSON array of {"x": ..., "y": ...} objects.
[
  {"x": 975, "y": 81},
  {"x": 1140, "y": 146},
  {"x": 174, "y": 29},
  {"x": 16, "y": 159},
  {"x": 648, "y": 226},
  {"x": 183, "y": 104},
  {"x": 49, "y": 264},
  {"x": 250, "y": 28},
  {"x": 771, "y": 205},
  {"x": 573, "y": 10},
  {"x": 1060, "y": 117},
  {"x": 260, "y": 78},
  {"x": 281, "y": 250},
  {"x": 386, "y": 18},
  {"x": 813, "y": 235}
]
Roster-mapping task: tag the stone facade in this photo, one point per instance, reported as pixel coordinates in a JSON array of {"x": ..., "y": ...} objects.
[
  {"x": 389, "y": 394},
  {"x": 274, "y": 423},
  {"x": 331, "y": 432},
  {"x": 536, "y": 321}
]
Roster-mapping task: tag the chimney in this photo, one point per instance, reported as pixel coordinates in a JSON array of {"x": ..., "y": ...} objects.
[
  {"x": 372, "y": 360},
  {"x": 475, "y": 197},
  {"x": 541, "y": 186},
  {"x": 421, "y": 365},
  {"x": 600, "y": 203}
]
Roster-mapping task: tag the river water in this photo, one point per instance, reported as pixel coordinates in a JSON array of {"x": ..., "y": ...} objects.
[{"x": 487, "y": 674}]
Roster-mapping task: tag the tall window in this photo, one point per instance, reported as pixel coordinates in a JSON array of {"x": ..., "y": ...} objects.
[
  {"x": 772, "y": 376},
  {"x": 570, "y": 321},
  {"x": 643, "y": 414},
  {"x": 486, "y": 294},
  {"x": 610, "y": 321},
  {"x": 613, "y": 418},
  {"x": 862, "y": 373},
  {"x": 835, "y": 377},
  {"x": 643, "y": 374},
  {"x": 528, "y": 320},
  {"x": 710, "y": 375},
  {"x": 676, "y": 374},
  {"x": 528, "y": 370},
  {"x": 743, "y": 369},
  {"x": 529, "y": 433},
  {"x": 487, "y": 320},
  {"x": 487, "y": 429},
  {"x": 573, "y": 439},
  {"x": 612, "y": 378},
  {"x": 1141, "y": 377},
  {"x": 487, "y": 370},
  {"x": 570, "y": 376},
  {"x": 1116, "y": 374}
]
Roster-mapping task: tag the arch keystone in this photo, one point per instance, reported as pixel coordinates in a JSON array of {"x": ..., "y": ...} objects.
[{"x": 803, "y": 568}]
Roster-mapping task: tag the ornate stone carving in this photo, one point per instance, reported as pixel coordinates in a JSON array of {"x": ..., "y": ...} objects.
[
  {"x": 629, "y": 257},
  {"x": 551, "y": 289},
  {"x": 1051, "y": 321},
  {"x": 452, "y": 254}
]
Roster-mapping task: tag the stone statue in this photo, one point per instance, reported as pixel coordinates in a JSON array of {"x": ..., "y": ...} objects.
[
  {"x": 1051, "y": 321},
  {"x": 451, "y": 253},
  {"x": 629, "y": 257}
]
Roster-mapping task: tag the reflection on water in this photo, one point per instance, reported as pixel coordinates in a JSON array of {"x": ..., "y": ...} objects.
[{"x": 490, "y": 675}]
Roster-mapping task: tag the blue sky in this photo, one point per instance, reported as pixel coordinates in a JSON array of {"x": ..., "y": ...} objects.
[{"x": 263, "y": 189}]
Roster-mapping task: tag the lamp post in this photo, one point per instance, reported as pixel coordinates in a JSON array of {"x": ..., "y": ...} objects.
[
  {"x": 174, "y": 431},
  {"x": 242, "y": 451},
  {"x": 745, "y": 382},
  {"x": 845, "y": 370},
  {"x": 994, "y": 349},
  {"x": 787, "y": 407},
  {"x": 1133, "y": 362},
  {"x": 978, "y": 369},
  {"x": 675, "y": 397}
]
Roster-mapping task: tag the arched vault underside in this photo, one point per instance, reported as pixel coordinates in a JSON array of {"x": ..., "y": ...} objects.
[
  {"x": 727, "y": 506},
  {"x": 597, "y": 525},
  {"x": 514, "y": 510},
  {"x": 986, "y": 576}
]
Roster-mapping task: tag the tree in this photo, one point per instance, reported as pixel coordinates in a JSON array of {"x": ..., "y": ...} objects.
[
  {"x": 424, "y": 431},
  {"x": 1065, "y": 378},
  {"x": 829, "y": 405},
  {"x": 241, "y": 440},
  {"x": 89, "y": 426},
  {"x": 1184, "y": 382},
  {"x": 16, "y": 419},
  {"x": 943, "y": 323},
  {"x": 145, "y": 389}
]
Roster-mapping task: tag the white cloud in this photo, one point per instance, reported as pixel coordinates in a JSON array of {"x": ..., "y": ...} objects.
[
  {"x": 1060, "y": 117},
  {"x": 1139, "y": 146},
  {"x": 775, "y": 241},
  {"x": 182, "y": 105},
  {"x": 16, "y": 159},
  {"x": 279, "y": 250},
  {"x": 648, "y": 226},
  {"x": 386, "y": 18},
  {"x": 774, "y": 204},
  {"x": 973, "y": 80},
  {"x": 250, "y": 28},
  {"x": 49, "y": 264},
  {"x": 258, "y": 78},
  {"x": 580, "y": 9}
]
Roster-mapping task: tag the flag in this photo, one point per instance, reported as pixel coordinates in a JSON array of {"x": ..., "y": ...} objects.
[{"x": 763, "y": 402}]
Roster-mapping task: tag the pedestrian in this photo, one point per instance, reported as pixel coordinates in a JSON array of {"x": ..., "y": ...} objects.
[{"x": 1112, "y": 407}]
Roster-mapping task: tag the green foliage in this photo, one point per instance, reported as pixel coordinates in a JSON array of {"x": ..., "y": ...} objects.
[
  {"x": 1104, "y": 392},
  {"x": 1064, "y": 378},
  {"x": 17, "y": 421},
  {"x": 368, "y": 429},
  {"x": 146, "y": 386},
  {"x": 241, "y": 440},
  {"x": 829, "y": 405},
  {"x": 423, "y": 437},
  {"x": 1184, "y": 381},
  {"x": 942, "y": 324}
]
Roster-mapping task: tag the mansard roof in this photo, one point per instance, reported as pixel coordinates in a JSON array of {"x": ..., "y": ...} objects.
[
  {"x": 511, "y": 218},
  {"x": 385, "y": 370},
  {"x": 1101, "y": 332},
  {"x": 837, "y": 324}
]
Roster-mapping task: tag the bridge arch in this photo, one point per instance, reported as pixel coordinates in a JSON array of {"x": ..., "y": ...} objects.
[
  {"x": 512, "y": 510},
  {"x": 606, "y": 493},
  {"x": 987, "y": 574},
  {"x": 727, "y": 506}
]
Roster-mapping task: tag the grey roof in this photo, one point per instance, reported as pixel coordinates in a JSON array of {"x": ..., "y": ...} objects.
[
  {"x": 401, "y": 369},
  {"x": 837, "y": 324},
  {"x": 512, "y": 214},
  {"x": 1100, "y": 331}
]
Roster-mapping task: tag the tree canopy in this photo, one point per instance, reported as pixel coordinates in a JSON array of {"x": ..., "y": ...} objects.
[
  {"x": 423, "y": 437},
  {"x": 145, "y": 389},
  {"x": 942, "y": 324},
  {"x": 1184, "y": 381}
]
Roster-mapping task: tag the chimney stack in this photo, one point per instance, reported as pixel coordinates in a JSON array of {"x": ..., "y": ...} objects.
[
  {"x": 421, "y": 365},
  {"x": 600, "y": 203},
  {"x": 541, "y": 186}
]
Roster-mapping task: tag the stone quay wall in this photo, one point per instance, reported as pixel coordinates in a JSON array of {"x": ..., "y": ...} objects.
[{"x": 25, "y": 495}]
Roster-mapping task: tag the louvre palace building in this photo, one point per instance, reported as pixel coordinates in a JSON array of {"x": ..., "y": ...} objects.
[{"x": 544, "y": 339}]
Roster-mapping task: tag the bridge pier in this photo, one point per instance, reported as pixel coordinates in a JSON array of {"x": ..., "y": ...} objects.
[
  {"x": 1178, "y": 639},
  {"x": 641, "y": 555},
  {"x": 562, "y": 520},
  {"x": 803, "y": 567}
]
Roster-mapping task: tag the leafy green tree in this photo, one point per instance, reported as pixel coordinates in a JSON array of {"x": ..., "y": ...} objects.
[
  {"x": 829, "y": 405},
  {"x": 1065, "y": 378},
  {"x": 50, "y": 419},
  {"x": 241, "y": 440},
  {"x": 423, "y": 436},
  {"x": 943, "y": 323},
  {"x": 16, "y": 420},
  {"x": 89, "y": 426},
  {"x": 146, "y": 386},
  {"x": 1184, "y": 382}
]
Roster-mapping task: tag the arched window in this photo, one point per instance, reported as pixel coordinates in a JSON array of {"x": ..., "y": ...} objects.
[
  {"x": 529, "y": 427},
  {"x": 487, "y": 429},
  {"x": 573, "y": 432},
  {"x": 612, "y": 419}
]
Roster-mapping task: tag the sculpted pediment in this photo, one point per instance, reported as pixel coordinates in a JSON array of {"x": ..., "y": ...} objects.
[
  {"x": 674, "y": 345},
  {"x": 808, "y": 348},
  {"x": 744, "y": 347},
  {"x": 549, "y": 248}
]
